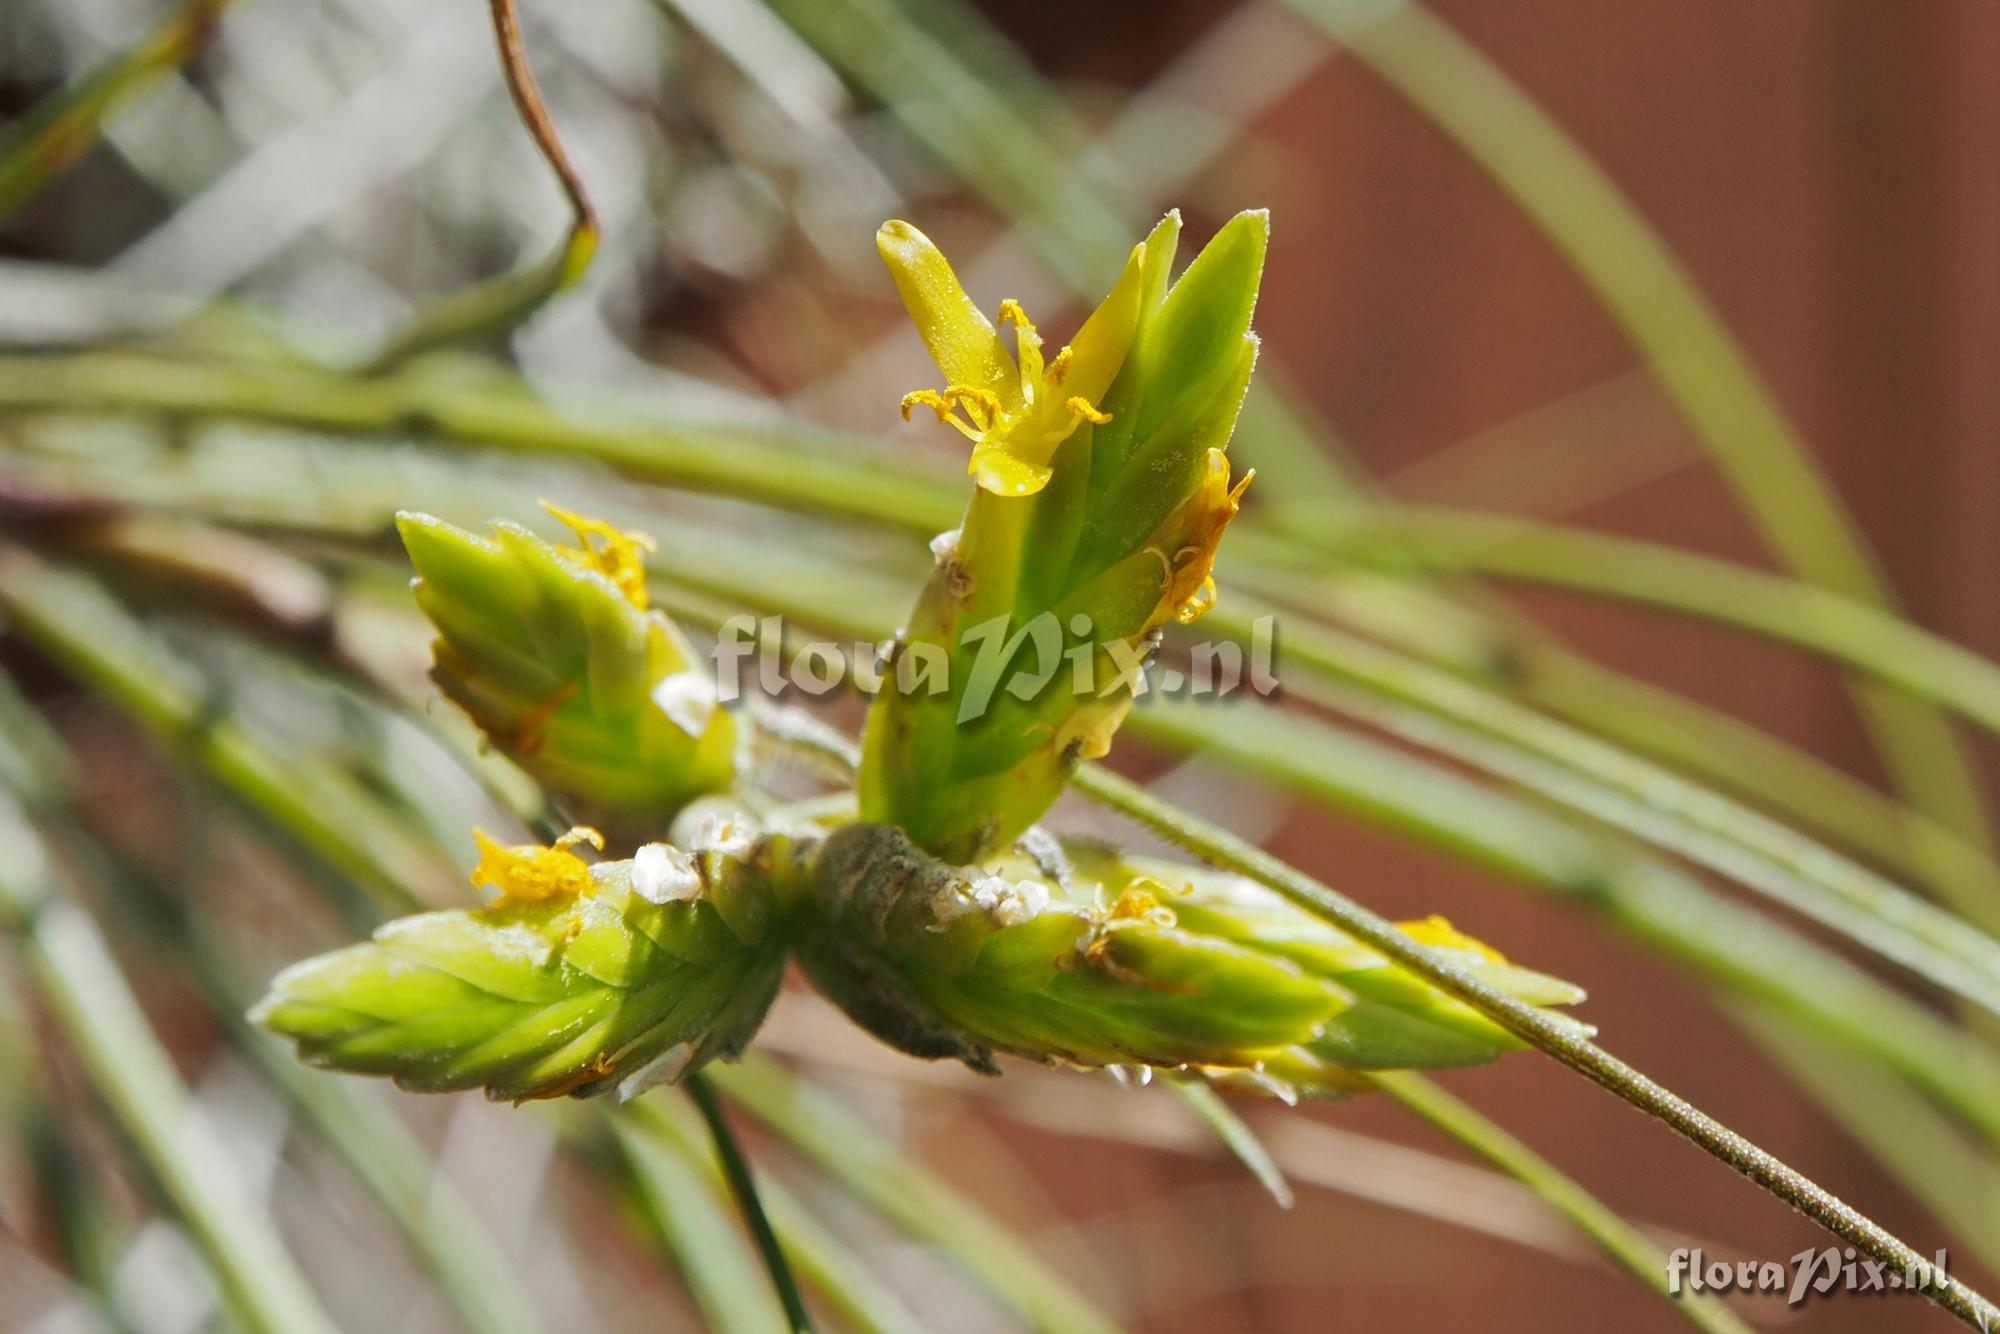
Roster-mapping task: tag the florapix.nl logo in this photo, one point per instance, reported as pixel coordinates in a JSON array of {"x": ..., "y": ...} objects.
[{"x": 1047, "y": 652}]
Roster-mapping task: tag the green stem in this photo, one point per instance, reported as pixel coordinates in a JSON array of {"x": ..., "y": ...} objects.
[
  {"x": 1926, "y": 1153},
  {"x": 859, "y": 1297},
  {"x": 1620, "y": 1241},
  {"x": 1650, "y": 899},
  {"x": 64, "y": 126},
  {"x": 691, "y": 1220},
  {"x": 736, "y": 1171},
  {"x": 1532, "y": 1026}
]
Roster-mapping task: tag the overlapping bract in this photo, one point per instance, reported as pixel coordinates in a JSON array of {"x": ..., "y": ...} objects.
[
  {"x": 557, "y": 658},
  {"x": 1095, "y": 522},
  {"x": 1132, "y": 963},
  {"x": 575, "y": 994}
]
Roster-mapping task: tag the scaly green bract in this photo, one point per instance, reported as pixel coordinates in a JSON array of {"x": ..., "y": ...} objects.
[
  {"x": 573, "y": 994},
  {"x": 557, "y": 658}
]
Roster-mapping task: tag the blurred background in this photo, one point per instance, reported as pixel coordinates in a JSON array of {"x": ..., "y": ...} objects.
[{"x": 1436, "y": 324}]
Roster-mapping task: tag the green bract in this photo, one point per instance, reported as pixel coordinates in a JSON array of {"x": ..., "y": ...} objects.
[
  {"x": 1132, "y": 963},
  {"x": 1102, "y": 493},
  {"x": 574, "y": 994},
  {"x": 569, "y": 674}
]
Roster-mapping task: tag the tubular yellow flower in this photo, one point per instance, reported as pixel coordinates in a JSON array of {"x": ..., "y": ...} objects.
[
  {"x": 1009, "y": 407},
  {"x": 609, "y": 550},
  {"x": 530, "y": 872}
]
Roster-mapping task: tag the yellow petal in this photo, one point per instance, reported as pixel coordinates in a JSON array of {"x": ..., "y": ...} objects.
[
  {"x": 961, "y": 340},
  {"x": 1006, "y": 474},
  {"x": 1098, "y": 350}
]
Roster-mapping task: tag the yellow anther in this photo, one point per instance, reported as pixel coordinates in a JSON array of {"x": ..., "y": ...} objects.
[
  {"x": 1082, "y": 407},
  {"x": 1011, "y": 313},
  {"x": 1058, "y": 370},
  {"x": 972, "y": 411},
  {"x": 609, "y": 550},
  {"x": 929, "y": 398},
  {"x": 531, "y": 873},
  {"x": 1027, "y": 347},
  {"x": 1190, "y": 586}
]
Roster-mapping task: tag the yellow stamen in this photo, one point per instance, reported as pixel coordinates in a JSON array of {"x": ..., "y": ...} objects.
[
  {"x": 1058, "y": 370},
  {"x": 531, "y": 873},
  {"x": 1082, "y": 408},
  {"x": 611, "y": 551},
  {"x": 1027, "y": 346},
  {"x": 970, "y": 411},
  {"x": 1011, "y": 313}
]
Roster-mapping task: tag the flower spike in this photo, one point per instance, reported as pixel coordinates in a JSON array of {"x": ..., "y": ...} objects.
[
  {"x": 1103, "y": 492},
  {"x": 555, "y": 655}
]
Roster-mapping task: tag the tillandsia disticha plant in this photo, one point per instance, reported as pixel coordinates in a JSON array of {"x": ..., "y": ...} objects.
[
  {"x": 230, "y": 738},
  {"x": 932, "y": 908}
]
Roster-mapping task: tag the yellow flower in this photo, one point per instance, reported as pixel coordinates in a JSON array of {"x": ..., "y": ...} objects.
[
  {"x": 1196, "y": 533},
  {"x": 1438, "y": 933},
  {"x": 609, "y": 550},
  {"x": 1014, "y": 409},
  {"x": 531, "y": 872}
]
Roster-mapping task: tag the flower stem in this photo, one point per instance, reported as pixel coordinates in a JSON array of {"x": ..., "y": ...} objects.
[{"x": 736, "y": 1170}]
